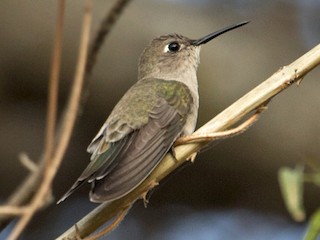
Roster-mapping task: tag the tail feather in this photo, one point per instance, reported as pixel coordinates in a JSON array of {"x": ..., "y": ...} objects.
[{"x": 74, "y": 187}]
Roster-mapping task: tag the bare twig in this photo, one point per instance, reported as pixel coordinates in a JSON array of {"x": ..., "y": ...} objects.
[
  {"x": 12, "y": 210},
  {"x": 28, "y": 163},
  {"x": 23, "y": 193},
  {"x": 54, "y": 85},
  {"x": 110, "y": 227},
  {"x": 104, "y": 29},
  {"x": 259, "y": 95},
  {"x": 209, "y": 137},
  {"x": 27, "y": 188},
  {"x": 68, "y": 123}
]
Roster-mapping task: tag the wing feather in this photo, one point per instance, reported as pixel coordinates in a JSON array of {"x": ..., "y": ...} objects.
[
  {"x": 105, "y": 161},
  {"x": 135, "y": 138},
  {"x": 150, "y": 145}
]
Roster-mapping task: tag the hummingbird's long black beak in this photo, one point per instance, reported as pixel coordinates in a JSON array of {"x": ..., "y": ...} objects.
[{"x": 213, "y": 35}]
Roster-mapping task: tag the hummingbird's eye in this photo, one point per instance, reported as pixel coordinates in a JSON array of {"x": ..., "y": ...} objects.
[{"x": 172, "y": 47}]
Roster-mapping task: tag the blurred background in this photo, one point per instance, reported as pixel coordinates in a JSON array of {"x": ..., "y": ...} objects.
[{"x": 231, "y": 191}]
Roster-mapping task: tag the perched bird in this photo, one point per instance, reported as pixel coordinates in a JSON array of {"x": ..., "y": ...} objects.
[{"x": 159, "y": 108}]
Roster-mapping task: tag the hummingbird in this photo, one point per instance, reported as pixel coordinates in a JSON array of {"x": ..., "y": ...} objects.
[{"x": 143, "y": 126}]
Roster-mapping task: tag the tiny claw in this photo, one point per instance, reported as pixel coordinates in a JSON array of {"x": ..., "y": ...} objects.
[
  {"x": 262, "y": 108},
  {"x": 192, "y": 157},
  {"x": 299, "y": 81},
  {"x": 145, "y": 199},
  {"x": 144, "y": 196}
]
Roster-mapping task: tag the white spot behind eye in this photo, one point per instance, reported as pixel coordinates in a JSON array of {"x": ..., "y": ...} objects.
[{"x": 166, "y": 48}]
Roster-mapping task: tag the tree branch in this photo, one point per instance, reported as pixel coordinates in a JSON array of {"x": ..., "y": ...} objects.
[{"x": 278, "y": 82}]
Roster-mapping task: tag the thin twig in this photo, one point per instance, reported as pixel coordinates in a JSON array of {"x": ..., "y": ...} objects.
[
  {"x": 29, "y": 185},
  {"x": 68, "y": 123},
  {"x": 278, "y": 82},
  {"x": 111, "y": 226},
  {"x": 28, "y": 163},
  {"x": 12, "y": 210},
  {"x": 210, "y": 137},
  {"x": 23, "y": 192},
  {"x": 105, "y": 27},
  {"x": 104, "y": 30},
  {"x": 54, "y": 85}
]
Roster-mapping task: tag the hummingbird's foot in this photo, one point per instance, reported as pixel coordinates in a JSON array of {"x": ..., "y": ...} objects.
[
  {"x": 192, "y": 157},
  {"x": 209, "y": 137},
  {"x": 145, "y": 196}
]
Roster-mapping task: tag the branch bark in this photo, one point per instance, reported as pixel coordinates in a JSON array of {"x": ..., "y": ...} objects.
[{"x": 278, "y": 82}]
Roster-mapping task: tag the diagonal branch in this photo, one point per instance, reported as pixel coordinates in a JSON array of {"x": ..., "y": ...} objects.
[
  {"x": 104, "y": 29},
  {"x": 278, "y": 82}
]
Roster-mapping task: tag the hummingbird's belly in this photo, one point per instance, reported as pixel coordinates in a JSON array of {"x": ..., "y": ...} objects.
[{"x": 191, "y": 122}]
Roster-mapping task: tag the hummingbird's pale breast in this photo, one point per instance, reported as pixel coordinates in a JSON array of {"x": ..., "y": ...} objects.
[{"x": 157, "y": 61}]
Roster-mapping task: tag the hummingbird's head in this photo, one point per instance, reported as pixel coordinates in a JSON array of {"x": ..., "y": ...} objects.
[
  {"x": 174, "y": 56},
  {"x": 167, "y": 56}
]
